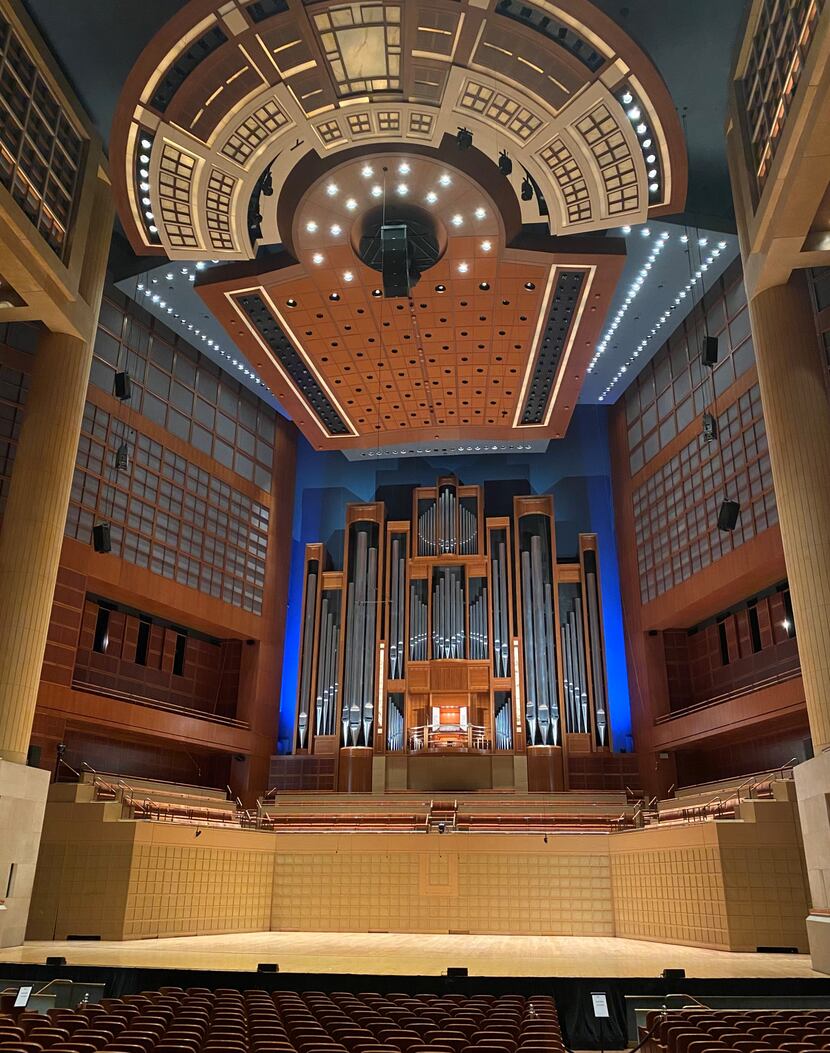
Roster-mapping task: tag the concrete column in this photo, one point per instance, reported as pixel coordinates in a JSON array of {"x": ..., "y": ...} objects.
[
  {"x": 30, "y": 548},
  {"x": 797, "y": 415}
]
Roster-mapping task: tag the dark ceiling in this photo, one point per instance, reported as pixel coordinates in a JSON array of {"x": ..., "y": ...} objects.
[{"x": 690, "y": 41}]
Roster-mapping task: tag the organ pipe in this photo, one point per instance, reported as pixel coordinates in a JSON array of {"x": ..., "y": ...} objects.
[
  {"x": 306, "y": 654},
  {"x": 326, "y": 694},
  {"x": 539, "y": 633},
  {"x": 397, "y": 605},
  {"x": 595, "y": 638},
  {"x": 357, "y": 714},
  {"x": 452, "y": 594}
]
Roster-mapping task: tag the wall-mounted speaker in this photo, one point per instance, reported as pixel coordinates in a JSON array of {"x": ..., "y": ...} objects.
[
  {"x": 728, "y": 515},
  {"x": 122, "y": 387},
  {"x": 101, "y": 540},
  {"x": 709, "y": 351}
]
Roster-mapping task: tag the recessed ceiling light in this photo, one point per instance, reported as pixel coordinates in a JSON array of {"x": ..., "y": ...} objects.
[
  {"x": 335, "y": 230},
  {"x": 627, "y": 98},
  {"x": 334, "y": 296},
  {"x": 347, "y": 276},
  {"x": 530, "y": 286},
  {"x": 402, "y": 189},
  {"x": 377, "y": 292},
  {"x": 480, "y": 213},
  {"x": 486, "y": 246},
  {"x": 444, "y": 179},
  {"x": 645, "y": 232},
  {"x": 200, "y": 266},
  {"x": 367, "y": 171},
  {"x": 457, "y": 219},
  {"x": 317, "y": 258},
  {"x": 169, "y": 276},
  {"x": 626, "y": 230},
  {"x": 332, "y": 189},
  {"x": 641, "y": 129},
  {"x": 654, "y": 187},
  {"x": 377, "y": 190},
  {"x": 440, "y": 288},
  {"x": 404, "y": 168},
  {"x": 311, "y": 226},
  {"x": 351, "y": 204},
  {"x": 291, "y": 303},
  {"x": 703, "y": 241},
  {"x": 463, "y": 268},
  {"x": 484, "y": 286},
  {"x": 432, "y": 197}
]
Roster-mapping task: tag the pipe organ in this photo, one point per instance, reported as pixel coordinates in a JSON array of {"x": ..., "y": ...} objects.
[{"x": 452, "y": 634}]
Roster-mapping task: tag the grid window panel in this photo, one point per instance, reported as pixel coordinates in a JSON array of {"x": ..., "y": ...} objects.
[
  {"x": 676, "y": 508},
  {"x": 40, "y": 151},
  {"x": 168, "y": 514},
  {"x": 177, "y": 387},
  {"x": 674, "y": 386}
]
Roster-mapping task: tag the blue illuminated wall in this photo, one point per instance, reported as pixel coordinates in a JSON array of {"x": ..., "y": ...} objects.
[{"x": 576, "y": 470}]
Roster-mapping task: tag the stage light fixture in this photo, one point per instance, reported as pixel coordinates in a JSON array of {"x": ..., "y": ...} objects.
[
  {"x": 505, "y": 164},
  {"x": 464, "y": 139},
  {"x": 527, "y": 188},
  {"x": 710, "y": 428}
]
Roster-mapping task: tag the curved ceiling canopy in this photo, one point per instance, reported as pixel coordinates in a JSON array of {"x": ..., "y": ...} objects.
[{"x": 232, "y": 95}]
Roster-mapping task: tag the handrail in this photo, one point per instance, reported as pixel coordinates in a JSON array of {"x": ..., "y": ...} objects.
[
  {"x": 164, "y": 707},
  {"x": 728, "y": 696},
  {"x": 66, "y": 764}
]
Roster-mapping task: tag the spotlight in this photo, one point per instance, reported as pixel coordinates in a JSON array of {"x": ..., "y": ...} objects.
[
  {"x": 527, "y": 188},
  {"x": 505, "y": 164},
  {"x": 710, "y": 428},
  {"x": 464, "y": 138}
]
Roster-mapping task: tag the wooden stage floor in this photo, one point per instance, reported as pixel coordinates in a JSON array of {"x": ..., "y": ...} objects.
[{"x": 419, "y": 955}]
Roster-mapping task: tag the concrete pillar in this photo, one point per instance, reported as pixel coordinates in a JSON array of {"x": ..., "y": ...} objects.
[
  {"x": 797, "y": 415},
  {"x": 30, "y": 548}
]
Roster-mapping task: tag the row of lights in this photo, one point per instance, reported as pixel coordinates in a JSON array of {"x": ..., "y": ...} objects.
[
  {"x": 487, "y": 448},
  {"x": 156, "y": 300},
  {"x": 664, "y": 317},
  {"x": 635, "y": 115},
  {"x": 633, "y": 292},
  {"x": 142, "y": 174}
]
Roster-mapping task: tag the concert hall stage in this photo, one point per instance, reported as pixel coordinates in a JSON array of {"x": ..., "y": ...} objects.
[{"x": 418, "y": 954}]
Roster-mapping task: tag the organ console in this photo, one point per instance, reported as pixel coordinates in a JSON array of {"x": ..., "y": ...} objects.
[{"x": 449, "y": 634}]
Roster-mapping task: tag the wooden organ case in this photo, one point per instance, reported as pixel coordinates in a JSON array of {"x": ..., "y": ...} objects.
[{"x": 452, "y": 634}]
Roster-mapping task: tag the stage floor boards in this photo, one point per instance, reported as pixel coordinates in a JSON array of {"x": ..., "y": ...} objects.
[{"x": 417, "y": 954}]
